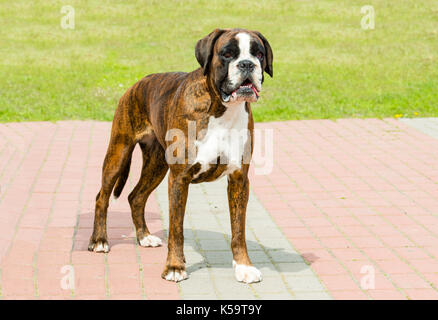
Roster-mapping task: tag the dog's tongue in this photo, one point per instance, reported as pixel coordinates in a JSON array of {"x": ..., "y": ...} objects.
[{"x": 255, "y": 91}]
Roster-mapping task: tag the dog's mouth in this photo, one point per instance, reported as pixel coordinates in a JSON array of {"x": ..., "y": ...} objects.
[{"x": 247, "y": 91}]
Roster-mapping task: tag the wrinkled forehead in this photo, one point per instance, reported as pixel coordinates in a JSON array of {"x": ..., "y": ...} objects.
[{"x": 239, "y": 38}]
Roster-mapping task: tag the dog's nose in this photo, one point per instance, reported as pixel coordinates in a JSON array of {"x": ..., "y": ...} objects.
[{"x": 246, "y": 65}]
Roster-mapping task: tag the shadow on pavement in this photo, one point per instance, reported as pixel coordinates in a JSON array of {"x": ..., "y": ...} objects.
[{"x": 121, "y": 231}]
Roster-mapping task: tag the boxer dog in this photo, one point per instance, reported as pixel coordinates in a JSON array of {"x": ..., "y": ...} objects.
[{"x": 215, "y": 99}]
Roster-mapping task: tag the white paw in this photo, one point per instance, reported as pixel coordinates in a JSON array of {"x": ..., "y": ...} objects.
[
  {"x": 247, "y": 274},
  {"x": 101, "y": 247},
  {"x": 150, "y": 241},
  {"x": 176, "y": 276}
]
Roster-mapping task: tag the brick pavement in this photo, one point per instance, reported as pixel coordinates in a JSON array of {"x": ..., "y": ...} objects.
[
  {"x": 349, "y": 196},
  {"x": 355, "y": 198},
  {"x": 50, "y": 174}
]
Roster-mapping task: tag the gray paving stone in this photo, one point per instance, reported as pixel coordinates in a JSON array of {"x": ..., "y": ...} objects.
[
  {"x": 214, "y": 244},
  {"x": 295, "y": 269},
  {"x": 219, "y": 257},
  {"x": 203, "y": 221},
  {"x": 274, "y": 296},
  {"x": 189, "y": 234},
  {"x": 426, "y": 125},
  {"x": 194, "y": 257},
  {"x": 208, "y": 296},
  {"x": 258, "y": 257},
  {"x": 268, "y": 269},
  {"x": 303, "y": 283},
  {"x": 209, "y": 228},
  {"x": 191, "y": 244},
  {"x": 267, "y": 232},
  {"x": 198, "y": 205},
  {"x": 232, "y": 288},
  {"x": 250, "y": 236},
  {"x": 277, "y": 243},
  {"x": 209, "y": 258},
  {"x": 200, "y": 270},
  {"x": 208, "y": 234},
  {"x": 197, "y": 285},
  {"x": 272, "y": 284},
  {"x": 279, "y": 256},
  {"x": 237, "y": 296},
  {"x": 188, "y": 248},
  {"x": 252, "y": 245},
  {"x": 261, "y": 224},
  {"x": 222, "y": 272},
  {"x": 316, "y": 295},
  {"x": 199, "y": 212}
]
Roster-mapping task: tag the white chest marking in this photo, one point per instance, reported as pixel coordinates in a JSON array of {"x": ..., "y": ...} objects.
[{"x": 226, "y": 137}]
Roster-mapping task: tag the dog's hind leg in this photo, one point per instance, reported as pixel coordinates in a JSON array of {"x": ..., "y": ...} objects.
[
  {"x": 154, "y": 170},
  {"x": 117, "y": 157}
]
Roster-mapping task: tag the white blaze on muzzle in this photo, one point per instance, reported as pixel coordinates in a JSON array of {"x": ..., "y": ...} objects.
[{"x": 234, "y": 73}]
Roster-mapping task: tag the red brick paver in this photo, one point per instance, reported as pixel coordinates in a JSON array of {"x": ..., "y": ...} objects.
[
  {"x": 49, "y": 177},
  {"x": 358, "y": 199}
]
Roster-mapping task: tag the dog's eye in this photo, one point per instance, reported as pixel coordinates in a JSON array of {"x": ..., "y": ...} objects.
[
  {"x": 260, "y": 56},
  {"x": 227, "y": 55}
]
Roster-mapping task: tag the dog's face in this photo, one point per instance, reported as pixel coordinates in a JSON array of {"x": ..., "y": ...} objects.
[{"x": 235, "y": 60}]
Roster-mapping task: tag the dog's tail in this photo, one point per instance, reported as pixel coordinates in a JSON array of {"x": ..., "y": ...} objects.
[{"x": 121, "y": 181}]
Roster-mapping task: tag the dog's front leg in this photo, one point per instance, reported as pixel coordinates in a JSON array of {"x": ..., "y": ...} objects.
[
  {"x": 178, "y": 190},
  {"x": 238, "y": 193}
]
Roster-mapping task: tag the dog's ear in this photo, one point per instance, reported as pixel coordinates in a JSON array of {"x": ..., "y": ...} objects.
[
  {"x": 204, "y": 49},
  {"x": 269, "y": 56}
]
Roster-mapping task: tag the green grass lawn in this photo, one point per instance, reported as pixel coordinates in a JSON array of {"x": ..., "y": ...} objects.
[{"x": 325, "y": 65}]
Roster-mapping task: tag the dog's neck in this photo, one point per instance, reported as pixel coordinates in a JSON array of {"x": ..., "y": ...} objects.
[{"x": 217, "y": 106}]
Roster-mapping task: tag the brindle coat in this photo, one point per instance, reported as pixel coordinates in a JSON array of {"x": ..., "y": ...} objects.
[{"x": 145, "y": 112}]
